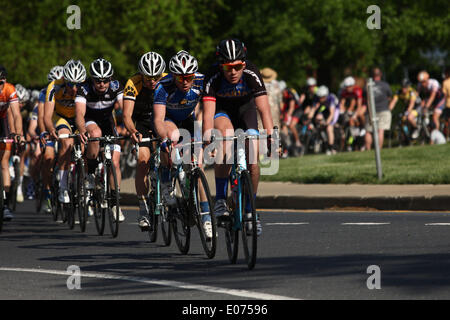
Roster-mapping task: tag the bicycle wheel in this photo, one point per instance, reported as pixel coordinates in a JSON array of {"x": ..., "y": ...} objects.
[
  {"x": 15, "y": 184},
  {"x": 179, "y": 218},
  {"x": 69, "y": 208},
  {"x": 2, "y": 200},
  {"x": 39, "y": 193},
  {"x": 249, "y": 230},
  {"x": 112, "y": 195},
  {"x": 166, "y": 227},
  {"x": 81, "y": 195},
  {"x": 153, "y": 230},
  {"x": 199, "y": 187}
]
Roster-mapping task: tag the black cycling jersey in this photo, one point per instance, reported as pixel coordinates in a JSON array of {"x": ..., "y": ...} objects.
[{"x": 99, "y": 107}]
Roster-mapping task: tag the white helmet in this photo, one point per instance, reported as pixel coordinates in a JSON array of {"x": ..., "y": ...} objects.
[
  {"x": 322, "y": 91},
  {"x": 55, "y": 73},
  {"x": 311, "y": 82},
  {"x": 183, "y": 63},
  {"x": 35, "y": 94},
  {"x": 349, "y": 81},
  {"x": 74, "y": 71},
  {"x": 101, "y": 69},
  {"x": 151, "y": 64},
  {"x": 22, "y": 93},
  {"x": 282, "y": 85}
]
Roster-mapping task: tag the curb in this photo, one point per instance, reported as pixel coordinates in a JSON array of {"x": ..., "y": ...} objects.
[{"x": 434, "y": 203}]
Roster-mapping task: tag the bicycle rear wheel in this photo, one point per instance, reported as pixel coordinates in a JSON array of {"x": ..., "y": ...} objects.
[
  {"x": 81, "y": 195},
  {"x": 153, "y": 230},
  {"x": 166, "y": 227},
  {"x": 2, "y": 200},
  {"x": 112, "y": 196},
  {"x": 179, "y": 218},
  {"x": 199, "y": 187},
  {"x": 249, "y": 230}
]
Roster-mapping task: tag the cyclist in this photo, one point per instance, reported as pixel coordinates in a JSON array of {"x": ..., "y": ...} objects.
[
  {"x": 59, "y": 118},
  {"x": 137, "y": 117},
  {"x": 292, "y": 113},
  {"x": 325, "y": 111},
  {"x": 411, "y": 100},
  {"x": 352, "y": 104},
  {"x": 446, "y": 92},
  {"x": 234, "y": 92},
  {"x": 177, "y": 100},
  {"x": 32, "y": 136},
  {"x": 432, "y": 96},
  {"x": 94, "y": 103},
  {"x": 10, "y": 125},
  {"x": 48, "y": 155}
]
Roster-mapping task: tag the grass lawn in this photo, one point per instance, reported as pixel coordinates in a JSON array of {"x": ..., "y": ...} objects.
[{"x": 407, "y": 165}]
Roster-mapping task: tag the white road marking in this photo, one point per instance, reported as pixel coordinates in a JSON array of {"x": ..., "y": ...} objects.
[
  {"x": 438, "y": 224},
  {"x": 365, "y": 223},
  {"x": 167, "y": 283},
  {"x": 286, "y": 223}
]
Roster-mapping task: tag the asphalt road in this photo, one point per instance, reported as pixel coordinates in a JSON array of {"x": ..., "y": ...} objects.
[{"x": 302, "y": 255}]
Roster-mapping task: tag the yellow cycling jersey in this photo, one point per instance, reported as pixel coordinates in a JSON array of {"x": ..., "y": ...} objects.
[
  {"x": 143, "y": 96},
  {"x": 64, "y": 102},
  {"x": 410, "y": 94}
]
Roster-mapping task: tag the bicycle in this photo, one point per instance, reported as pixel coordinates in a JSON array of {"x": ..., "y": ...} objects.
[
  {"x": 105, "y": 195},
  {"x": 190, "y": 190},
  {"x": 76, "y": 186},
  {"x": 243, "y": 217},
  {"x": 15, "y": 163},
  {"x": 2, "y": 189},
  {"x": 158, "y": 209}
]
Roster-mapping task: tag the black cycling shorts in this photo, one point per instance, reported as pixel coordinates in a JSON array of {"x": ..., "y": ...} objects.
[{"x": 243, "y": 117}]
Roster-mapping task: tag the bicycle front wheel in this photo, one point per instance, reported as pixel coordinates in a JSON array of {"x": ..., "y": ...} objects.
[
  {"x": 81, "y": 196},
  {"x": 179, "y": 218},
  {"x": 2, "y": 200},
  {"x": 206, "y": 220},
  {"x": 112, "y": 196},
  {"x": 15, "y": 185},
  {"x": 249, "y": 229}
]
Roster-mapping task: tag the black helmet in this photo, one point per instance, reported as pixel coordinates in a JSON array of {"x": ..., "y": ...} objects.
[
  {"x": 3, "y": 72},
  {"x": 101, "y": 69},
  {"x": 406, "y": 83},
  {"x": 231, "y": 50}
]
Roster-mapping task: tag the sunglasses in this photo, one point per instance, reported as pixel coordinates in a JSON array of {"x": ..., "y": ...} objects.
[
  {"x": 228, "y": 66},
  {"x": 182, "y": 78},
  {"x": 105, "y": 81},
  {"x": 152, "y": 78}
]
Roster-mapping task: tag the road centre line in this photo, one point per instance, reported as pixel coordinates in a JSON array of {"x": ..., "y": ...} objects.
[
  {"x": 167, "y": 283},
  {"x": 365, "y": 223}
]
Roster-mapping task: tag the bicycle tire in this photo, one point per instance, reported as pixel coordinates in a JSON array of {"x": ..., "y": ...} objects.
[
  {"x": 179, "y": 218},
  {"x": 81, "y": 195},
  {"x": 166, "y": 227},
  {"x": 2, "y": 200},
  {"x": 15, "y": 185},
  {"x": 209, "y": 246},
  {"x": 39, "y": 194},
  {"x": 113, "y": 201},
  {"x": 249, "y": 235},
  {"x": 153, "y": 230}
]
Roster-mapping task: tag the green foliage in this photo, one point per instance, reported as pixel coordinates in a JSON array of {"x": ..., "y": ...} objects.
[{"x": 325, "y": 38}]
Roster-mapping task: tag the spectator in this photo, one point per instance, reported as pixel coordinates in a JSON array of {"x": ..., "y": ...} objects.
[
  {"x": 446, "y": 91},
  {"x": 274, "y": 93},
  {"x": 382, "y": 94}
]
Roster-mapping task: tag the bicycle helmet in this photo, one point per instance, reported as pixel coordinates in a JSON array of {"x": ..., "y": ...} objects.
[
  {"x": 183, "y": 63},
  {"x": 423, "y": 76},
  {"x": 322, "y": 91},
  {"x": 151, "y": 64},
  {"x": 22, "y": 93},
  {"x": 349, "y": 81},
  {"x": 231, "y": 50},
  {"x": 101, "y": 69},
  {"x": 406, "y": 83},
  {"x": 55, "y": 73},
  {"x": 74, "y": 71},
  {"x": 3, "y": 72},
  {"x": 311, "y": 82}
]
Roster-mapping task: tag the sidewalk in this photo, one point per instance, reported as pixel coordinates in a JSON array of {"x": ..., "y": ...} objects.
[{"x": 281, "y": 195}]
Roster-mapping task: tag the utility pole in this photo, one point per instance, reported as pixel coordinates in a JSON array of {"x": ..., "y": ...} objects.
[{"x": 374, "y": 121}]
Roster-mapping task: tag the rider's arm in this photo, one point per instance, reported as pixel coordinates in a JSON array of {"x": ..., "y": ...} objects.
[
  {"x": 394, "y": 102},
  {"x": 159, "y": 114},
  {"x": 263, "y": 107},
  {"x": 49, "y": 107},
  {"x": 80, "y": 111},
  {"x": 331, "y": 116},
  {"x": 209, "y": 110},
  {"x": 412, "y": 102},
  {"x": 32, "y": 125},
  {"x": 431, "y": 99},
  {"x": 10, "y": 117},
  {"x": 41, "y": 124},
  {"x": 128, "y": 107},
  {"x": 17, "y": 117},
  {"x": 291, "y": 107}
]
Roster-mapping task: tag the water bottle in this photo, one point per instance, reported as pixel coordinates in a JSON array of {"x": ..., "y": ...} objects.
[{"x": 405, "y": 129}]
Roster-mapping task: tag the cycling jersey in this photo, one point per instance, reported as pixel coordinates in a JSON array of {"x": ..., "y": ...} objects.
[
  {"x": 236, "y": 101},
  {"x": 331, "y": 102},
  {"x": 411, "y": 94},
  {"x": 64, "y": 101},
  {"x": 42, "y": 95},
  {"x": 99, "y": 107},
  {"x": 7, "y": 96},
  {"x": 289, "y": 95},
  {"x": 309, "y": 96},
  {"x": 179, "y": 105},
  {"x": 355, "y": 93},
  {"x": 142, "y": 96},
  {"x": 432, "y": 86}
]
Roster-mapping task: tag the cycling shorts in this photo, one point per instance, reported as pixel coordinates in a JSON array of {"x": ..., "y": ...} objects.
[
  {"x": 243, "y": 117},
  {"x": 4, "y": 133}
]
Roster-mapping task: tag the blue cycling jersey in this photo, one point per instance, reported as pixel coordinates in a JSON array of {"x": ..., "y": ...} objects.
[
  {"x": 179, "y": 105},
  {"x": 42, "y": 95}
]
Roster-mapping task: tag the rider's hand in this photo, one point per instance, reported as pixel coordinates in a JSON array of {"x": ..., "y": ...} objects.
[
  {"x": 43, "y": 138},
  {"x": 165, "y": 144},
  {"x": 136, "y": 136},
  {"x": 53, "y": 134},
  {"x": 84, "y": 137}
]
